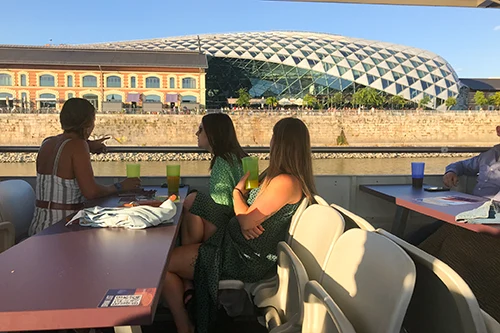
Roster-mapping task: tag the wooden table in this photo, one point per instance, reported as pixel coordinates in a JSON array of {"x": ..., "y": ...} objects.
[
  {"x": 404, "y": 197},
  {"x": 58, "y": 278}
]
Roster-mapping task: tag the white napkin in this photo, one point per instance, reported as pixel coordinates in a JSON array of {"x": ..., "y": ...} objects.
[
  {"x": 139, "y": 217},
  {"x": 480, "y": 215}
]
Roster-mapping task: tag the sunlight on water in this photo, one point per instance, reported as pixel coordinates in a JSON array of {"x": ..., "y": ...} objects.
[{"x": 380, "y": 166}]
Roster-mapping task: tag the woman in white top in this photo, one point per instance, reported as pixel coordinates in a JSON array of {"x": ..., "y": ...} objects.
[{"x": 64, "y": 172}]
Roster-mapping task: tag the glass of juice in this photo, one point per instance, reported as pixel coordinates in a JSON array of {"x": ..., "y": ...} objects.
[
  {"x": 251, "y": 164},
  {"x": 173, "y": 178},
  {"x": 133, "y": 170}
]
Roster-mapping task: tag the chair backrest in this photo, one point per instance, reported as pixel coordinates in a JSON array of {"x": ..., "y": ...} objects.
[
  {"x": 352, "y": 220},
  {"x": 318, "y": 229},
  {"x": 320, "y": 201},
  {"x": 295, "y": 218},
  {"x": 7, "y": 235},
  {"x": 17, "y": 204},
  {"x": 492, "y": 326},
  {"x": 321, "y": 313},
  {"x": 442, "y": 301},
  {"x": 371, "y": 279}
]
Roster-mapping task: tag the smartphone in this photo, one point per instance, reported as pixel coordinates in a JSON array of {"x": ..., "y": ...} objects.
[{"x": 436, "y": 189}]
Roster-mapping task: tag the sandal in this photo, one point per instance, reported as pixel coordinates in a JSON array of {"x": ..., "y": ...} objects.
[{"x": 190, "y": 304}]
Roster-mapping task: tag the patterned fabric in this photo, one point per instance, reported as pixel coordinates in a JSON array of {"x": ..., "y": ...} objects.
[
  {"x": 475, "y": 257},
  {"x": 55, "y": 189},
  {"x": 218, "y": 206},
  {"x": 487, "y": 165},
  {"x": 228, "y": 255}
]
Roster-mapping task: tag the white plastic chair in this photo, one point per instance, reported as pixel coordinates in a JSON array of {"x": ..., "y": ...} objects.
[
  {"x": 231, "y": 294},
  {"x": 492, "y": 326},
  {"x": 320, "y": 201},
  {"x": 321, "y": 313},
  {"x": 352, "y": 220},
  {"x": 442, "y": 302},
  {"x": 7, "y": 235},
  {"x": 371, "y": 279},
  {"x": 17, "y": 204},
  {"x": 304, "y": 259}
]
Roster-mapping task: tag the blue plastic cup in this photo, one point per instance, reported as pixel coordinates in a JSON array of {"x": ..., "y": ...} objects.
[{"x": 417, "y": 174}]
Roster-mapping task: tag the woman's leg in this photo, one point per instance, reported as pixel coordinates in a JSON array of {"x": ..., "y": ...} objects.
[
  {"x": 181, "y": 266},
  {"x": 192, "y": 229}
]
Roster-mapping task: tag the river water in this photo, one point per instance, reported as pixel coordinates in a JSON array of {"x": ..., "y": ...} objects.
[{"x": 373, "y": 166}]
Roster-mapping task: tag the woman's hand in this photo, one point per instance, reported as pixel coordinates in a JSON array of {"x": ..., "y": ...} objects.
[
  {"x": 241, "y": 184},
  {"x": 98, "y": 146},
  {"x": 130, "y": 184},
  {"x": 253, "y": 233}
]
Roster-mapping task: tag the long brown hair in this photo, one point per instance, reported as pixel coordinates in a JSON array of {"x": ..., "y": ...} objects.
[
  {"x": 222, "y": 137},
  {"x": 291, "y": 154},
  {"x": 76, "y": 115}
]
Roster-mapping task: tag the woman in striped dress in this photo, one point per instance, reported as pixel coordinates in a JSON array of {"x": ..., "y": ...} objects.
[{"x": 64, "y": 173}]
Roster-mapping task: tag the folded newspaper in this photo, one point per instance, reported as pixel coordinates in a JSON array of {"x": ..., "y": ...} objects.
[
  {"x": 487, "y": 213},
  {"x": 138, "y": 217}
]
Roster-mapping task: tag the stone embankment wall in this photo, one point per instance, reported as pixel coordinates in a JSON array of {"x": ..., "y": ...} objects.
[{"x": 475, "y": 128}]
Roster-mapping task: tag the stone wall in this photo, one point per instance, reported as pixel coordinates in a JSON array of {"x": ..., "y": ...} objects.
[{"x": 379, "y": 129}]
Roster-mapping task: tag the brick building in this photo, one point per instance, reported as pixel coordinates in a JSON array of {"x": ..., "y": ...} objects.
[{"x": 45, "y": 77}]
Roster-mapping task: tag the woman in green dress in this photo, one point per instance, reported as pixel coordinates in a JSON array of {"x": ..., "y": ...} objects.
[{"x": 244, "y": 246}]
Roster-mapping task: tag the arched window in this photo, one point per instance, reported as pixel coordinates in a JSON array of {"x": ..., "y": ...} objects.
[
  {"x": 47, "y": 100},
  {"x": 69, "y": 80},
  {"x": 5, "y": 99},
  {"x": 23, "y": 80},
  {"x": 114, "y": 82},
  {"x": 132, "y": 82},
  {"x": 189, "y": 99},
  {"x": 5, "y": 80},
  {"x": 188, "y": 83},
  {"x": 172, "y": 83},
  {"x": 113, "y": 98},
  {"x": 152, "y": 82},
  {"x": 93, "y": 99},
  {"x": 152, "y": 99},
  {"x": 89, "y": 81},
  {"x": 47, "y": 80}
]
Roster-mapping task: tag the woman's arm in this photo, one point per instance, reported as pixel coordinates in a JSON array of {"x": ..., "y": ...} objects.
[
  {"x": 281, "y": 190},
  {"x": 84, "y": 174}
]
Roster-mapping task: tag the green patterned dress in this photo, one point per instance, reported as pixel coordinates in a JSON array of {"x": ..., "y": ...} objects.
[
  {"x": 228, "y": 255},
  {"x": 218, "y": 205}
]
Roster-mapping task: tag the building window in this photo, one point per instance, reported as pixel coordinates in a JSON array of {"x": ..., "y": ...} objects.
[
  {"x": 89, "y": 81},
  {"x": 152, "y": 82},
  {"x": 152, "y": 99},
  {"x": 132, "y": 82},
  {"x": 47, "y": 80},
  {"x": 172, "y": 83},
  {"x": 113, "y": 98},
  {"x": 114, "y": 82},
  {"x": 70, "y": 95},
  {"x": 69, "y": 80},
  {"x": 5, "y": 80},
  {"x": 23, "y": 80},
  {"x": 24, "y": 100},
  {"x": 6, "y": 100},
  {"x": 47, "y": 101},
  {"x": 189, "y": 99},
  {"x": 188, "y": 83}
]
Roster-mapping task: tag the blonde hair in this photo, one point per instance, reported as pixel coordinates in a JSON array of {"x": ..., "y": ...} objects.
[{"x": 291, "y": 154}]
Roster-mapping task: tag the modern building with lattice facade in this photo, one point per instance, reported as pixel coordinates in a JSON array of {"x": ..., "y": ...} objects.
[{"x": 293, "y": 64}]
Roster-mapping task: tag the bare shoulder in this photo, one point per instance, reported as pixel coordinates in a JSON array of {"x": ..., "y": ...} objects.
[
  {"x": 78, "y": 146},
  {"x": 285, "y": 182}
]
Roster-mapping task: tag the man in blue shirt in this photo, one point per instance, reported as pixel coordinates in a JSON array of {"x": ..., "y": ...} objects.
[{"x": 486, "y": 166}]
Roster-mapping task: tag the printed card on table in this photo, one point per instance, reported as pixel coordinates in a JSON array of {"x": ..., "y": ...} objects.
[
  {"x": 450, "y": 200},
  {"x": 128, "y": 297}
]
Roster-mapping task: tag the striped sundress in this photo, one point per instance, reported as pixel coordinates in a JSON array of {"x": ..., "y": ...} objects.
[{"x": 53, "y": 188}]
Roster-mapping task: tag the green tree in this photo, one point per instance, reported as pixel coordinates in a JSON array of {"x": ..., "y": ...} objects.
[
  {"x": 480, "y": 99},
  {"x": 358, "y": 98},
  {"x": 244, "y": 97},
  {"x": 451, "y": 102},
  {"x": 495, "y": 100},
  {"x": 424, "y": 101},
  {"x": 397, "y": 100},
  {"x": 337, "y": 99},
  {"x": 367, "y": 97},
  {"x": 309, "y": 101},
  {"x": 272, "y": 102}
]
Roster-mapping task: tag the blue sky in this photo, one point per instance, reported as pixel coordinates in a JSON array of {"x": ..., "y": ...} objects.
[{"x": 468, "y": 38}]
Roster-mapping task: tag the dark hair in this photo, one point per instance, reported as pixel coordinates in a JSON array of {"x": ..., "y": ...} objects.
[
  {"x": 291, "y": 154},
  {"x": 76, "y": 115},
  {"x": 222, "y": 137}
]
